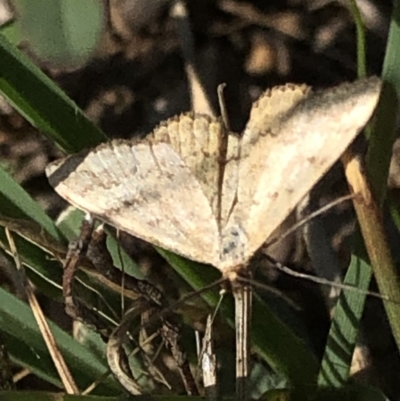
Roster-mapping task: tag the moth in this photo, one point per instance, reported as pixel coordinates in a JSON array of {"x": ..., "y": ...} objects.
[{"x": 213, "y": 196}]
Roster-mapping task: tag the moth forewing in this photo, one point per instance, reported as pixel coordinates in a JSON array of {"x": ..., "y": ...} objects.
[
  {"x": 143, "y": 196},
  {"x": 277, "y": 170}
]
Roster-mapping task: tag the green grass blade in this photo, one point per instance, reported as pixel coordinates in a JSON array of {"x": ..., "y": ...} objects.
[
  {"x": 15, "y": 202},
  {"x": 26, "y": 347},
  {"x": 44, "y": 271},
  {"x": 384, "y": 129},
  {"x": 361, "y": 42},
  {"x": 12, "y": 32},
  {"x": 335, "y": 366},
  {"x": 37, "y": 260},
  {"x": 43, "y": 103}
]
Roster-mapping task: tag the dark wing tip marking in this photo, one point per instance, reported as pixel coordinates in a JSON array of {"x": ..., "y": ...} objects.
[{"x": 60, "y": 170}]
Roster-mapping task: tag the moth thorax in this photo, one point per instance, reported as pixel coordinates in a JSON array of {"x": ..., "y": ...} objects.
[{"x": 232, "y": 248}]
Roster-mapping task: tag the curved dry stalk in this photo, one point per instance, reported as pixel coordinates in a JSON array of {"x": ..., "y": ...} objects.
[
  {"x": 58, "y": 360},
  {"x": 370, "y": 220}
]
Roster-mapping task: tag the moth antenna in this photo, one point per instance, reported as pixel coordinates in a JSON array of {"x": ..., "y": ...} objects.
[
  {"x": 322, "y": 281},
  {"x": 268, "y": 288},
  {"x": 306, "y": 219}
]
